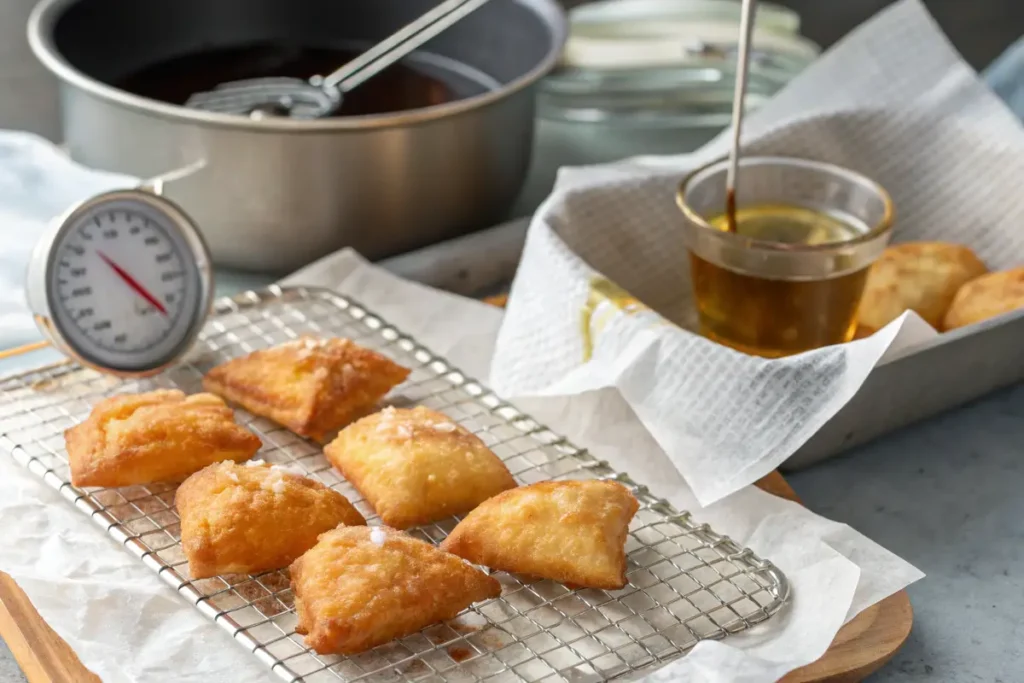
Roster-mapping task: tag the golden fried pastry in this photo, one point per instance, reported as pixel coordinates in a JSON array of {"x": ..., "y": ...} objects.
[
  {"x": 153, "y": 437},
  {"x": 986, "y": 297},
  {"x": 311, "y": 386},
  {"x": 570, "y": 531},
  {"x": 917, "y": 276},
  {"x": 417, "y": 466},
  {"x": 359, "y": 587},
  {"x": 251, "y": 518}
]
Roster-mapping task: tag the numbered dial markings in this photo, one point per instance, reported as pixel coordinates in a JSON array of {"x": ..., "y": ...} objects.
[{"x": 122, "y": 281}]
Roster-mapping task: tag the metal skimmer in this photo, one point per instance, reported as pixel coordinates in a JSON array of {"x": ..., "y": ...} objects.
[
  {"x": 322, "y": 96},
  {"x": 686, "y": 582}
]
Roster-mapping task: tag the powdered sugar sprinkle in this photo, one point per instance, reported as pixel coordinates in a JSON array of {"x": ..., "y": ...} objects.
[
  {"x": 290, "y": 469},
  {"x": 312, "y": 343}
]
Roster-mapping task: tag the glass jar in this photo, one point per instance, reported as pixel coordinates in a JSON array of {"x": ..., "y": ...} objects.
[{"x": 654, "y": 77}]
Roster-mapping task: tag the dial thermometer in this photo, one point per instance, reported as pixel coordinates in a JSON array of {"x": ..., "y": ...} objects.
[{"x": 121, "y": 283}]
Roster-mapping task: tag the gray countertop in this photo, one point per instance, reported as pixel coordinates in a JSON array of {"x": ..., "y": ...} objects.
[
  {"x": 946, "y": 496},
  {"x": 9, "y": 671}
]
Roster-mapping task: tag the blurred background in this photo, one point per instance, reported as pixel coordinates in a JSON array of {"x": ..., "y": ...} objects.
[{"x": 980, "y": 29}]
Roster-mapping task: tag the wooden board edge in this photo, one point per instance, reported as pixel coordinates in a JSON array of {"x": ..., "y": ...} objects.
[
  {"x": 863, "y": 645},
  {"x": 43, "y": 655}
]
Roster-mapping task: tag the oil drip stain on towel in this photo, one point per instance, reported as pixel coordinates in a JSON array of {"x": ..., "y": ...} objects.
[{"x": 606, "y": 303}]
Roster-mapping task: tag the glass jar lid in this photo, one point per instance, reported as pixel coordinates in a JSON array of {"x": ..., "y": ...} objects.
[{"x": 622, "y": 34}]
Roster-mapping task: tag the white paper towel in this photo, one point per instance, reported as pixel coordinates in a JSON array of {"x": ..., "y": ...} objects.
[{"x": 893, "y": 100}]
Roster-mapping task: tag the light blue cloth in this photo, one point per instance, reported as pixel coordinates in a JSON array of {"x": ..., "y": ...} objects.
[
  {"x": 37, "y": 183},
  {"x": 1006, "y": 77}
]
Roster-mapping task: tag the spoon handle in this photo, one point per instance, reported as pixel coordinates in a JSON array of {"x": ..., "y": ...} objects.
[
  {"x": 400, "y": 44},
  {"x": 739, "y": 96}
]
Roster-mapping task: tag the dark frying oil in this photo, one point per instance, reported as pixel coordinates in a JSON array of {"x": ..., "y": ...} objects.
[{"x": 397, "y": 88}]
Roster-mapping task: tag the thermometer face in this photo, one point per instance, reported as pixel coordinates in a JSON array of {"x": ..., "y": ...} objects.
[{"x": 127, "y": 282}]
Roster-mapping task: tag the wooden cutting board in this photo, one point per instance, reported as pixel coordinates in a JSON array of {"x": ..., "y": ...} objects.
[{"x": 861, "y": 647}]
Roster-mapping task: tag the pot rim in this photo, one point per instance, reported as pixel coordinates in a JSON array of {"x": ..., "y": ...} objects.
[{"x": 46, "y": 13}]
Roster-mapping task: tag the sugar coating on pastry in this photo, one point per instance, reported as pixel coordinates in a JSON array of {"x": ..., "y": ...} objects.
[
  {"x": 359, "y": 587},
  {"x": 569, "y": 531},
  {"x": 156, "y": 436},
  {"x": 311, "y": 386},
  {"x": 986, "y": 297},
  {"x": 416, "y": 466},
  {"x": 242, "y": 519},
  {"x": 918, "y": 276}
]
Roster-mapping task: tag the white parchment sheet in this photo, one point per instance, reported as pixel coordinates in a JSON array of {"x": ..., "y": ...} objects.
[
  {"x": 127, "y": 625},
  {"x": 894, "y": 101}
]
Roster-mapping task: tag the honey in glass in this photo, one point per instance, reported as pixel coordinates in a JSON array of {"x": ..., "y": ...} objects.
[
  {"x": 789, "y": 278},
  {"x": 779, "y": 317}
]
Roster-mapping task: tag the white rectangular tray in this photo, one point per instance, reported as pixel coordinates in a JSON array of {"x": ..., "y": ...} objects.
[{"x": 953, "y": 369}]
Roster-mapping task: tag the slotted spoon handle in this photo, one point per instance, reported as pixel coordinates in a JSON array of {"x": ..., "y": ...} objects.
[{"x": 400, "y": 44}]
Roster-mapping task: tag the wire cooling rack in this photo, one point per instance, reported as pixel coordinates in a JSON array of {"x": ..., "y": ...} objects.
[{"x": 686, "y": 582}]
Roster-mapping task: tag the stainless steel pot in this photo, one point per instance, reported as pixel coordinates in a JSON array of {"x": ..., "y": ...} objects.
[{"x": 274, "y": 194}]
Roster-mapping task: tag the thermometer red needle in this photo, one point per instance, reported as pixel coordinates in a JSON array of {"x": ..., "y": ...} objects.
[{"x": 134, "y": 284}]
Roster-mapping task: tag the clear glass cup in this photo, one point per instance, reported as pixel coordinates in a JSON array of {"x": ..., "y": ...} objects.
[{"x": 790, "y": 279}]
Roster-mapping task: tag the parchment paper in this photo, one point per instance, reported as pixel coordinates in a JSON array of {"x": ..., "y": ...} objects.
[
  {"x": 127, "y": 625},
  {"x": 892, "y": 100}
]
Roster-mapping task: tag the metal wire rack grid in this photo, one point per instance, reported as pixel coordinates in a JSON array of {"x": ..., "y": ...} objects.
[{"x": 686, "y": 582}]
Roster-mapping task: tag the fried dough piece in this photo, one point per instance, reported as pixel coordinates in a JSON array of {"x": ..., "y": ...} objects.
[
  {"x": 311, "y": 386},
  {"x": 918, "y": 276},
  {"x": 986, "y": 297},
  {"x": 154, "y": 437},
  {"x": 360, "y": 587},
  {"x": 417, "y": 466},
  {"x": 246, "y": 519},
  {"x": 570, "y": 531}
]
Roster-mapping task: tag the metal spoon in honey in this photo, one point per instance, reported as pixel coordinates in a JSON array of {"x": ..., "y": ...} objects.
[{"x": 747, "y": 12}]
